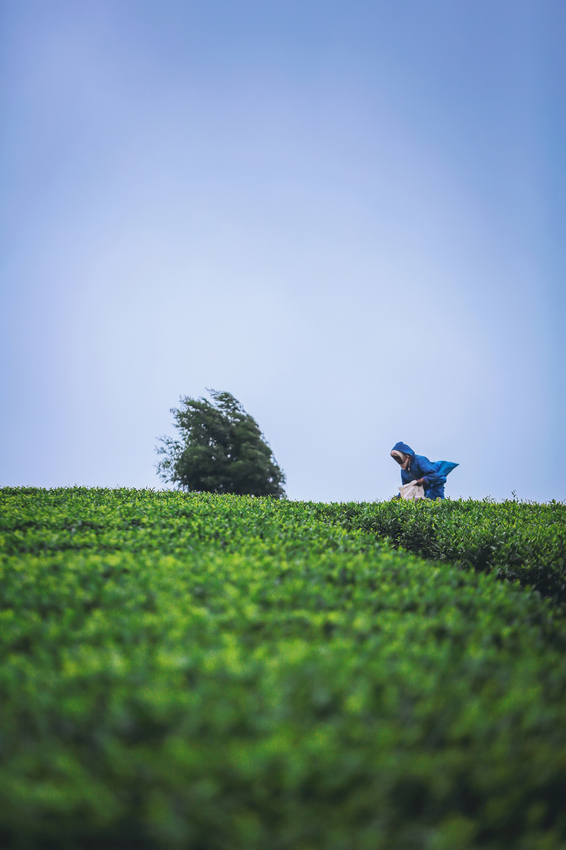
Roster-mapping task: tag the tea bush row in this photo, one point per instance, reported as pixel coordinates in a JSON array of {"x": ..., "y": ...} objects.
[
  {"x": 34, "y": 521},
  {"x": 516, "y": 540}
]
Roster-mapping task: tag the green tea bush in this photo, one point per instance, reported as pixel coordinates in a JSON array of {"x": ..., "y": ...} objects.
[
  {"x": 223, "y": 672},
  {"x": 516, "y": 540}
]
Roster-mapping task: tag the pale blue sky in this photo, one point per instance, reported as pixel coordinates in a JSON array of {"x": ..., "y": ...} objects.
[{"x": 348, "y": 214}]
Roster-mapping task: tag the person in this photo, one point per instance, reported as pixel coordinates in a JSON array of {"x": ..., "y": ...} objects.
[{"x": 432, "y": 476}]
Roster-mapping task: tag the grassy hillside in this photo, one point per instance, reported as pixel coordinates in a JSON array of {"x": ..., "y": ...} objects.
[{"x": 183, "y": 671}]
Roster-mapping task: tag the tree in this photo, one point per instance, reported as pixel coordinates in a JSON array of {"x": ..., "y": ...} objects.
[{"x": 220, "y": 450}]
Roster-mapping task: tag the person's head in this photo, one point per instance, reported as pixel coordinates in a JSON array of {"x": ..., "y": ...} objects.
[{"x": 402, "y": 459}]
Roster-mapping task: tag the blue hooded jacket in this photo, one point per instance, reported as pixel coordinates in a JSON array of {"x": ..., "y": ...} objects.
[{"x": 434, "y": 474}]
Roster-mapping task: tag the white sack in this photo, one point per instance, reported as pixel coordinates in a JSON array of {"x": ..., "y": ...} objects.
[{"x": 412, "y": 490}]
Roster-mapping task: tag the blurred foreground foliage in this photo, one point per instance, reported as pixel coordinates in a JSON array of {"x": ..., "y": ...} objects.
[{"x": 224, "y": 672}]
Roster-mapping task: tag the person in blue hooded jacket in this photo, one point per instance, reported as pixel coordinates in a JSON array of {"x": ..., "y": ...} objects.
[{"x": 432, "y": 476}]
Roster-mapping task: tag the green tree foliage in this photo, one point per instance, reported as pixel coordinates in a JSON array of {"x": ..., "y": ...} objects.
[{"x": 220, "y": 450}]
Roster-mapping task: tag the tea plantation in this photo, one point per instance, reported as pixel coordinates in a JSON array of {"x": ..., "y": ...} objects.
[{"x": 231, "y": 673}]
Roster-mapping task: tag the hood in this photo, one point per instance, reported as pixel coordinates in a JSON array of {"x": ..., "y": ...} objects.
[{"x": 403, "y": 447}]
